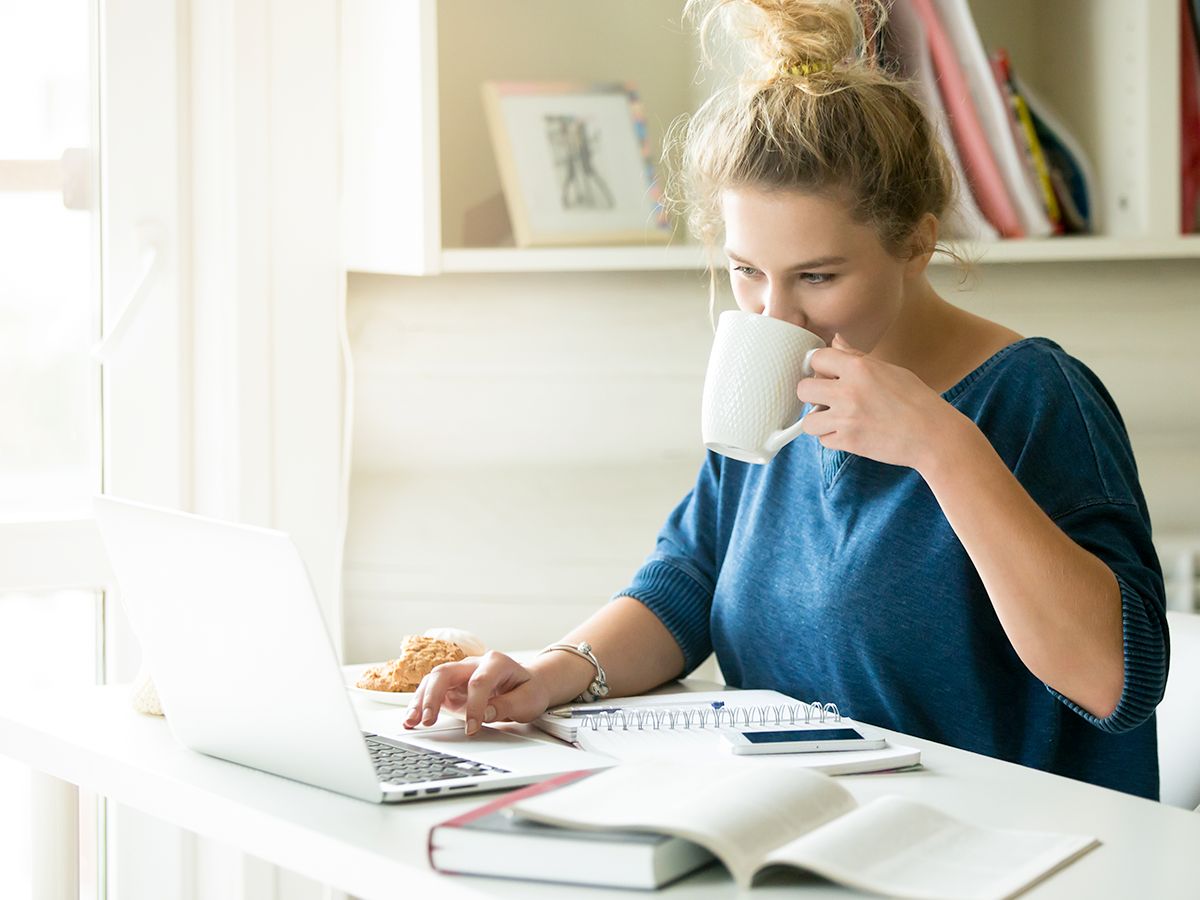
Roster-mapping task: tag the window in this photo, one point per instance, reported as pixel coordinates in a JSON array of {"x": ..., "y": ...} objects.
[
  {"x": 49, "y": 309},
  {"x": 51, "y": 578}
]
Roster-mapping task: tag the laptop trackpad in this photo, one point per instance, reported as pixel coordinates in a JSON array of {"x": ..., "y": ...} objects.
[{"x": 456, "y": 741}]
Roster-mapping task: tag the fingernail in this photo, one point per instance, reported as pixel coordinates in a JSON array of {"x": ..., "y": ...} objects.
[
  {"x": 489, "y": 714},
  {"x": 472, "y": 726},
  {"x": 429, "y": 715}
]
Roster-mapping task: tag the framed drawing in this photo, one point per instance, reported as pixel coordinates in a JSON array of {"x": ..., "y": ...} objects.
[{"x": 574, "y": 163}]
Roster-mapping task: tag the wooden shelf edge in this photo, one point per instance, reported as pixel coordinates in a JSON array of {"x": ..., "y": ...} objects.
[
  {"x": 691, "y": 256},
  {"x": 1080, "y": 249},
  {"x": 573, "y": 259}
]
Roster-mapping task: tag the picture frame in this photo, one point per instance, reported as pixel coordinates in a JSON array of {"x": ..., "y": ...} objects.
[{"x": 574, "y": 161}]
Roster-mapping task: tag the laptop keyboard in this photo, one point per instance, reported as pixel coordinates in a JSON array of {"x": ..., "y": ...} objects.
[{"x": 399, "y": 763}]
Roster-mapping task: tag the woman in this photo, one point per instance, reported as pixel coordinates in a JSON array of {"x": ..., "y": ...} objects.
[{"x": 958, "y": 548}]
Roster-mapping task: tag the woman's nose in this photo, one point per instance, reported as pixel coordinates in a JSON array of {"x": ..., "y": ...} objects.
[{"x": 780, "y": 309}]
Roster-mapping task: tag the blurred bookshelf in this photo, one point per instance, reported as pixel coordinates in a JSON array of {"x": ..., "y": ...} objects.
[{"x": 417, "y": 156}]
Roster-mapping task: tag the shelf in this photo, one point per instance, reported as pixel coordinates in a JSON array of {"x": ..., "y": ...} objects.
[
  {"x": 573, "y": 259},
  {"x": 417, "y": 155},
  {"x": 1084, "y": 248},
  {"x": 691, "y": 256}
]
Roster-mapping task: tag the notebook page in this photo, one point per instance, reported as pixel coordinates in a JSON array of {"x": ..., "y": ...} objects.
[
  {"x": 757, "y": 809},
  {"x": 903, "y": 848}
]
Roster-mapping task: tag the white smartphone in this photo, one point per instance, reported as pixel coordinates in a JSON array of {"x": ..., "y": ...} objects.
[{"x": 799, "y": 740}]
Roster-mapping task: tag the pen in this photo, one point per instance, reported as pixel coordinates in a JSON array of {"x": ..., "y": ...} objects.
[{"x": 587, "y": 711}]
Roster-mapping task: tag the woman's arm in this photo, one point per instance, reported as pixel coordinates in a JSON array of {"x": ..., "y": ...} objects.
[
  {"x": 636, "y": 650},
  {"x": 1059, "y": 604},
  {"x": 634, "y": 647}
]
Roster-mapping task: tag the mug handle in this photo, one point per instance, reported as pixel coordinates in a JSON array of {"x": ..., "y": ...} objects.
[{"x": 785, "y": 436}]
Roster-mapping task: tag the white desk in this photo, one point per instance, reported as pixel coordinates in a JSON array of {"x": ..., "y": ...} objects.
[{"x": 93, "y": 739}]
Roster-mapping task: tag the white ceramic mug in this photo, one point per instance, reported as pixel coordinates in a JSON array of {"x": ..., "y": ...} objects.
[{"x": 750, "y": 408}]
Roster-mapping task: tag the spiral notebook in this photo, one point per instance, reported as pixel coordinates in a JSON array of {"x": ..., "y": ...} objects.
[{"x": 688, "y": 725}]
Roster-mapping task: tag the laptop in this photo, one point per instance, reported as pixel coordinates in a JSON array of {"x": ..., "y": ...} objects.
[{"x": 234, "y": 639}]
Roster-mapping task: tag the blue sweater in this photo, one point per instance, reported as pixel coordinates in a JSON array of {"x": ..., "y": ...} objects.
[{"x": 830, "y": 576}]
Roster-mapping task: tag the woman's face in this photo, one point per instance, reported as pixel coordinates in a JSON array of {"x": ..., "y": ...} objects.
[{"x": 801, "y": 258}]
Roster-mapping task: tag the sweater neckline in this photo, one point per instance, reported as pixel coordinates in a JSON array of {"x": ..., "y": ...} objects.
[
  {"x": 833, "y": 462},
  {"x": 980, "y": 370}
]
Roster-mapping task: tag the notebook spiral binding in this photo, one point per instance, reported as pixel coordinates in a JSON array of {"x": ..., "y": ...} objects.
[{"x": 712, "y": 717}]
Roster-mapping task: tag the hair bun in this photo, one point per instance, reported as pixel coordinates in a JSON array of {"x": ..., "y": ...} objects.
[
  {"x": 796, "y": 37},
  {"x": 805, "y": 68}
]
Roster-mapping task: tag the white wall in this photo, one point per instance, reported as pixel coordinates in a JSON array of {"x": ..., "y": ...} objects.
[{"x": 519, "y": 439}]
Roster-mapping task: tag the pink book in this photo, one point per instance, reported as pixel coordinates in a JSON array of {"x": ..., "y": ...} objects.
[
  {"x": 979, "y": 162},
  {"x": 1189, "y": 98}
]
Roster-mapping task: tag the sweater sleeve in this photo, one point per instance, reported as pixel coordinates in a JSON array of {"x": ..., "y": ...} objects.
[
  {"x": 1118, "y": 535},
  {"x": 1072, "y": 453},
  {"x": 676, "y": 581}
]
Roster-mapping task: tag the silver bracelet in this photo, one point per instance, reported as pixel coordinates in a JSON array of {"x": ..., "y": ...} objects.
[{"x": 599, "y": 686}]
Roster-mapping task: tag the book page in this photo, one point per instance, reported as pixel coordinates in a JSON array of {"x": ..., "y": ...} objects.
[
  {"x": 903, "y": 848},
  {"x": 735, "y": 812},
  {"x": 651, "y": 744}
]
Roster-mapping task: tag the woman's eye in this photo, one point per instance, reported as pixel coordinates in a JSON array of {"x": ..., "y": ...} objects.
[{"x": 806, "y": 277}]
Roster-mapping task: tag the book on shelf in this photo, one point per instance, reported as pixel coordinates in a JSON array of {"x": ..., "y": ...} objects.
[
  {"x": 1070, "y": 170},
  {"x": 907, "y": 50},
  {"x": 688, "y": 725},
  {"x": 959, "y": 24},
  {"x": 1189, "y": 116},
  {"x": 1022, "y": 173},
  {"x": 1037, "y": 172},
  {"x": 752, "y": 819},
  {"x": 984, "y": 177}
]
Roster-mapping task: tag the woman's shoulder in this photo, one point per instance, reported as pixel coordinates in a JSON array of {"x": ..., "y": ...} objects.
[
  {"x": 1030, "y": 373},
  {"x": 1051, "y": 418}
]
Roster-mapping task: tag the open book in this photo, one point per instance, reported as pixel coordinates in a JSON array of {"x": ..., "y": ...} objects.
[{"x": 753, "y": 819}]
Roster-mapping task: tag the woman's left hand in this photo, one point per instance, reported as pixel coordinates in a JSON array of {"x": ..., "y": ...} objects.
[{"x": 872, "y": 408}]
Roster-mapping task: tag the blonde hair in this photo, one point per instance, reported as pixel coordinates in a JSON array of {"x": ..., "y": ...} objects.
[{"x": 812, "y": 113}]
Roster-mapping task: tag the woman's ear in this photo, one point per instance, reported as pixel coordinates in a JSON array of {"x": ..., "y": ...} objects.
[{"x": 921, "y": 245}]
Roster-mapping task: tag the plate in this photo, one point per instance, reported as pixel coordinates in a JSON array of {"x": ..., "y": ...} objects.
[
  {"x": 395, "y": 698},
  {"x": 351, "y": 674}
]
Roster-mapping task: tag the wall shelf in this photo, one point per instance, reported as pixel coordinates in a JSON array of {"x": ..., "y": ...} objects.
[
  {"x": 417, "y": 155},
  {"x": 691, "y": 256},
  {"x": 1082, "y": 248}
]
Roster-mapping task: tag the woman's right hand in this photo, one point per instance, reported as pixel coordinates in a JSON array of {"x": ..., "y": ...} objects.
[{"x": 493, "y": 687}]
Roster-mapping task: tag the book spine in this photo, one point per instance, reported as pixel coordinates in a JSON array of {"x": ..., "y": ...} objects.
[
  {"x": 1039, "y": 161},
  {"x": 501, "y": 802},
  {"x": 1026, "y": 136}
]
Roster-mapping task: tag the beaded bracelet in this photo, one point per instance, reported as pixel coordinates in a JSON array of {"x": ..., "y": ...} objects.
[{"x": 599, "y": 686}]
